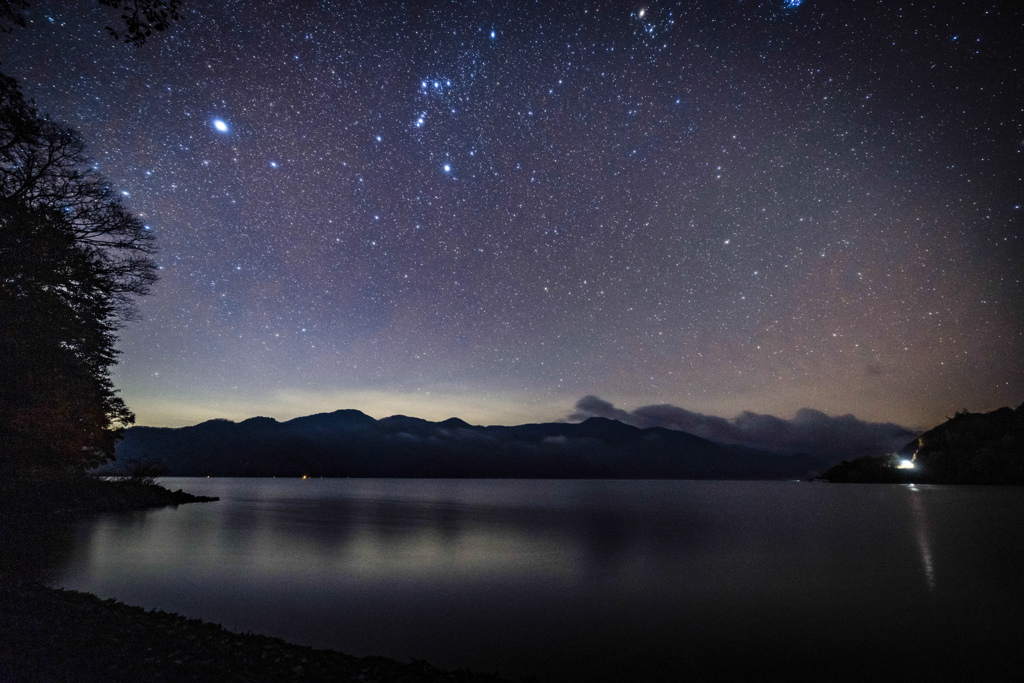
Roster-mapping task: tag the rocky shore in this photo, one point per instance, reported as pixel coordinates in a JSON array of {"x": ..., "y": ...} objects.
[{"x": 59, "y": 635}]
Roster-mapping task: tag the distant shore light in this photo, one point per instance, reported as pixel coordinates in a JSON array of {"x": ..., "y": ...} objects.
[{"x": 905, "y": 465}]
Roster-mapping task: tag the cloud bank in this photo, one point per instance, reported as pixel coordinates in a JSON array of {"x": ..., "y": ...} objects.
[{"x": 810, "y": 431}]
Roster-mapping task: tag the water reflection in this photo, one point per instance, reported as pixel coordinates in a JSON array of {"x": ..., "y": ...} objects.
[
  {"x": 37, "y": 548},
  {"x": 569, "y": 580},
  {"x": 922, "y": 535}
]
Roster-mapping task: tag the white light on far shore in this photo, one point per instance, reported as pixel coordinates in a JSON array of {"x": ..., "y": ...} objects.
[{"x": 905, "y": 465}]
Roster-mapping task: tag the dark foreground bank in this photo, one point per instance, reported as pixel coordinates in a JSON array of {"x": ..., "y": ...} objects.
[
  {"x": 57, "y": 635},
  {"x": 78, "y": 494}
]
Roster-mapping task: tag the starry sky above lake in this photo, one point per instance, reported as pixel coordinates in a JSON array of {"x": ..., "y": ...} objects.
[{"x": 492, "y": 209}]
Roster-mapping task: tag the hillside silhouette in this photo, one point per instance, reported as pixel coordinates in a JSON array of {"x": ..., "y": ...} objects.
[
  {"x": 968, "y": 448},
  {"x": 349, "y": 443}
]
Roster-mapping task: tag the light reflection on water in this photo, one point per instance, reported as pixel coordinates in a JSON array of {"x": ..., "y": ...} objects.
[
  {"x": 564, "y": 578},
  {"x": 923, "y": 535}
]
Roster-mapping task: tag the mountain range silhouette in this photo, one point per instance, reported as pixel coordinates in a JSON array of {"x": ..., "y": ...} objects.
[{"x": 349, "y": 443}]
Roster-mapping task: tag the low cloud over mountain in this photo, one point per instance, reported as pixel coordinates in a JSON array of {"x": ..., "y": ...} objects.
[
  {"x": 810, "y": 431},
  {"x": 348, "y": 443}
]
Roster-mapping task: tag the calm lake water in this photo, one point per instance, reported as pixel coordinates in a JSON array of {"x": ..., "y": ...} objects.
[{"x": 595, "y": 580}]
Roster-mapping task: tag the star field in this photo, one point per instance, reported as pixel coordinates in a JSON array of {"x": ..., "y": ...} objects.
[{"x": 493, "y": 209}]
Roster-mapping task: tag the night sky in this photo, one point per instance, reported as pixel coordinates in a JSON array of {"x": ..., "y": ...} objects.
[{"x": 491, "y": 210}]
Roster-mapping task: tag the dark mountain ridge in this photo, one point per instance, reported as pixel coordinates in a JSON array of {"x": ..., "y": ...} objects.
[
  {"x": 348, "y": 443},
  {"x": 968, "y": 448}
]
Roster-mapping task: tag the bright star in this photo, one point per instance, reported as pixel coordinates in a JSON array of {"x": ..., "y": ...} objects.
[
  {"x": 273, "y": 164},
  {"x": 220, "y": 125},
  {"x": 447, "y": 168}
]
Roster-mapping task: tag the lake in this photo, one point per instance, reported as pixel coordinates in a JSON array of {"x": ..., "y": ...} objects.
[{"x": 595, "y": 580}]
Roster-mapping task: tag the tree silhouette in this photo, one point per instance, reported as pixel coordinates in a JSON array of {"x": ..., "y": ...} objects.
[
  {"x": 140, "y": 17},
  {"x": 71, "y": 260}
]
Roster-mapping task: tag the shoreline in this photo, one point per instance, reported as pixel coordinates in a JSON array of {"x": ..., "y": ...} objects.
[
  {"x": 68, "y": 496},
  {"x": 52, "y": 634}
]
